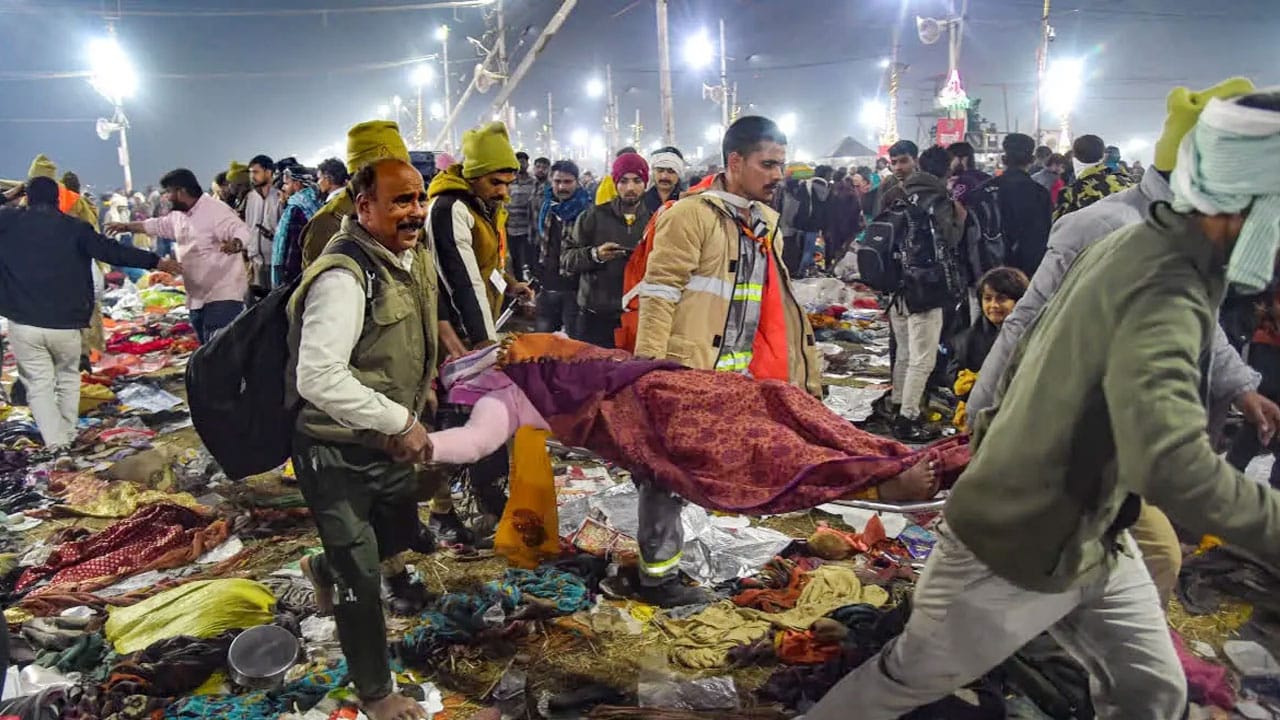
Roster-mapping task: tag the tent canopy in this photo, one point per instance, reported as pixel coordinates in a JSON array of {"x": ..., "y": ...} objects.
[{"x": 849, "y": 147}]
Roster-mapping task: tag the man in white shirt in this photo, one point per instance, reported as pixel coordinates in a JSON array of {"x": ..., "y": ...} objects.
[
  {"x": 333, "y": 178},
  {"x": 363, "y": 338},
  {"x": 262, "y": 210}
]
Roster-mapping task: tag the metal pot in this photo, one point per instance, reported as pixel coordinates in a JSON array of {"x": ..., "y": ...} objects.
[{"x": 261, "y": 656}]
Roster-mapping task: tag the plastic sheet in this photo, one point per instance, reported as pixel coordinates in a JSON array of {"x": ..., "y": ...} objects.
[
  {"x": 147, "y": 398},
  {"x": 851, "y": 403},
  {"x": 816, "y": 294},
  {"x": 31, "y": 680},
  {"x": 716, "y": 693}
]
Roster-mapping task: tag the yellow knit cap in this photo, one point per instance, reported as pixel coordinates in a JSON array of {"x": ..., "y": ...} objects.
[
  {"x": 237, "y": 172},
  {"x": 372, "y": 141},
  {"x": 42, "y": 166},
  {"x": 1185, "y": 107},
  {"x": 487, "y": 149}
]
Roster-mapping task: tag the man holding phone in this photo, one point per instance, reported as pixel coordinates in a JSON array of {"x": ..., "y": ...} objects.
[{"x": 598, "y": 247}]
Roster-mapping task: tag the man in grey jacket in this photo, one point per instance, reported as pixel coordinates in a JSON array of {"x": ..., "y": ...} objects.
[{"x": 1230, "y": 380}]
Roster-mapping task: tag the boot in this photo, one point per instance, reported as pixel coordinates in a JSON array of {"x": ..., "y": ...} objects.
[
  {"x": 449, "y": 530},
  {"x": 913, "y": 431},
  {"x": 407, "y": 596},
  {"x": 672, "y": 593}
]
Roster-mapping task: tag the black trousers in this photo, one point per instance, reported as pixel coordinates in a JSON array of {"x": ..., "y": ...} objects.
[
  {"x": 1266, "y": 360},
  {"x": 597, "y": 328}
]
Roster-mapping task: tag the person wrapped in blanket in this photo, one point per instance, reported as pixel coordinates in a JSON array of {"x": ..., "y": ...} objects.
[
  {"x": 722, "y": 440},
  {"x": 999, "y": 290}
]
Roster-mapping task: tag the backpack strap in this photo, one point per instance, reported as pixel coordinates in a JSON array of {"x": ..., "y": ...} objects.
[{"x": 352, "y": 249}]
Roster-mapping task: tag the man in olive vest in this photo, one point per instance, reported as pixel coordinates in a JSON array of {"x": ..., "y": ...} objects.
[{"x": 363, "y": 339}]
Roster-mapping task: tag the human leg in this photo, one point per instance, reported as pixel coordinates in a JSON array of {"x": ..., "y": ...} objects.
[
  {"x": 661, "y": 535},
  {"x": 219, "y": 314},
  {"x": 39, "y": 375},
  {"x": 965, "y": 620},
  {"x": 64, "y": 348},
  {"x": 1161, "y": 552},
  {"x": 1119, "y": 634},
  {"x": 549, "y": 312},
  {"x": 808, "y": 256},
  {"x": 342, "y": 486},
  {"x": 898, "y": 324},
  {"x": 924, "y": 330},
  {"x": 597, "y": 328},
  {"x": 793, "y": 253}
]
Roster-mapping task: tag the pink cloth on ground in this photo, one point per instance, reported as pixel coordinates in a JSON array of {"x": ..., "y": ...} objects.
[
  {"x": 495, "y": 417},
  {"x": 1207, "y": 681}
]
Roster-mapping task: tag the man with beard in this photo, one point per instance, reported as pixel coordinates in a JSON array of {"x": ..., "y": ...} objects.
[
  {"x": 210, "y": 241},
  {"x": 596, "y": 250},
  {"x": 363, "y": 387},
  {"x": 236, "y": 189},
  {"x": 667, "y": 166},
  {"x": 520, "y": 219},
  {"x": 261, "y": 213},
  {"x": 303, "y": 202},
  {"x": 466, "y": 221},
  {"x": 564, "y": 200},
  {"x": 716, "y": 296}
]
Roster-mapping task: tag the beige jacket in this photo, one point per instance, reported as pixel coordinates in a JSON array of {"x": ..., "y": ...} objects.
[{"x": 688, "y": 285}]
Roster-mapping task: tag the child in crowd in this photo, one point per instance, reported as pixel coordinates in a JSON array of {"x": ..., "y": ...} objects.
[{"x": 998, "y": 291}]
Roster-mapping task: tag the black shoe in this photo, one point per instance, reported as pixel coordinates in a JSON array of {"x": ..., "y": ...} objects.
[
  {"x": 672, "y": 594},
  {"x": 913, "y": 431},
  {"x": 425, "y": 541},
  {"x": 884, "y": 408},
  {"x": 407, "y": 597},
  {"x": 449, "y": 530}
]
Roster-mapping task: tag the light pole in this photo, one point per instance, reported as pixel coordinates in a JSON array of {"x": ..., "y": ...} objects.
[
  {"x": 1064, "y": 79},
  {"x": 113, "y": 76},
  {"x": 664, "y": 76},
  {"x": 442, "y": 34},
  {"x": 700, "y": 52},
  {"x": 422, "y": 76}
]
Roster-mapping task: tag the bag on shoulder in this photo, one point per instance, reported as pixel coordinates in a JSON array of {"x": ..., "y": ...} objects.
[
  {"x": 986, "y": 246},
  {"x": 236, "y": 381}
]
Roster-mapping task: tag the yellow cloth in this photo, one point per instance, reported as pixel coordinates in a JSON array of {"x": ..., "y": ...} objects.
[
  {"x": 530, "y": 527},
  {"x": 829, "y": 587},
  {"x": 1184, "y": 106},
  {"x": 607, "y": 191},
  {"x": 92, "y": 396},
  {"x": 965, "y": 381},
  {"x": 799, "y": 171},
  {"x": 487, "y": 149},
  {"x": 368, "y": 142},
  {"x": 237, "y": 172},
  {"x": 42, "y": 166},
  {"x": 703, "y": 641},
  {"x": 201, "y": 609},
  {"x": 122, "y": 499}
]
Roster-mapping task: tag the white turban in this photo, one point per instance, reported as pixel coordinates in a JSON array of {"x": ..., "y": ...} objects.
[{"x": 668, "y": 160}]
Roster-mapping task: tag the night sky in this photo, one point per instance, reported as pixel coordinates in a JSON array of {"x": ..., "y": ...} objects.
[{"x": 217, "y": 88}]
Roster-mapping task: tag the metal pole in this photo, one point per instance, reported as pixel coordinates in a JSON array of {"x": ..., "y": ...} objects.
[
  {"x": 1004, "y": 90},
  {"x": 526, "y": 62},
  {"x": 664, "y": 76},
  {"x": 724, "y": 80},
  {"x": 636, "y": 130},
  {"x": 551, "y": 135},
  {"x": 1042, "y": 60},
  {"x": 421, "y": 134},
  {"x": 448, "y": 94},
  {"x": 501, "y": 48},
  {"x": 611, "y": 111},
  {"x": 124, "y": 150}
]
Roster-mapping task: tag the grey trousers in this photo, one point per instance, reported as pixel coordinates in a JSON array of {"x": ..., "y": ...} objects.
[
  {"x": 661, "y": 535},
  {"x": 966, "y": 620}
]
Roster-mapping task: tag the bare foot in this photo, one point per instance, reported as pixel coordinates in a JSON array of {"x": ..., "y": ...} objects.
[
  {"x": 394, "y": 707},
  {"x": 324, "y": 593},
  {"x": 919, "y": 482}
]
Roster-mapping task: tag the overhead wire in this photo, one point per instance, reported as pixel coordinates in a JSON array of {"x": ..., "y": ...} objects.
[{"x": 246, "y": 12}]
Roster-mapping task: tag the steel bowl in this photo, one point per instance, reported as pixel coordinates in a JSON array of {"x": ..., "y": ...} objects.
[{"x": 260, "y": 657}]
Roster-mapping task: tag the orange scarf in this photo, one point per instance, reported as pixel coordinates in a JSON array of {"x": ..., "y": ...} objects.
[{"x": 770, "y": 359}]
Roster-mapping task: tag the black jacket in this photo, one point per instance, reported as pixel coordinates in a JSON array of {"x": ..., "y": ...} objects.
[
  {"x": 653, "y": 200},
  {"x": 549, "y": 252},
  {"x": 972, "y": 348},
  {"x": 600, "y": 284},
  {"x": 1026, "y": 214},
  {"x": 45, "y": 280}
]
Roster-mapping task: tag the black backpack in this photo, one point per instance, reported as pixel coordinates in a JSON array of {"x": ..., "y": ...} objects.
[
  {"x": 986, "y": 247},
  {"x": 236, "y": 381},
  {"x": 908, "y": 257}
]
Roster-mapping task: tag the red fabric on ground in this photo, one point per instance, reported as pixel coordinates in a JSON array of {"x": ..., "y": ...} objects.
[
  {"x": 155, "y": 537},
  {"x": 1206, "y": 681}
]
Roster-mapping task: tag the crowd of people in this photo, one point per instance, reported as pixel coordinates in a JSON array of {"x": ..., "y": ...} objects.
[{"x": 1065, "y": 282}]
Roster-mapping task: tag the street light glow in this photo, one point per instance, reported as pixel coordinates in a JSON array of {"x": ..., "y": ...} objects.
[
  {"x": 873, "y": 114},
  {"x": 384, "y": 111},
  {"x": 884, "y": 63},
  {"x": 442, "y": 33},
  {"x": 788, "y": 122},
  {"x": 437, "y": 111},
  {"x": 579, "y": 138},
  {"x": 714, "y": 133},
  {"x": 699, "y": 51},
  {"x": 533, "y": 114},
  {"x": 1064, "y": 80},
  {"x": 111, "y": 73},
  {"x": 595, "y": 87},
  {"x": 422, "y": 75},
  {"x": 397, "y": 101}
]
